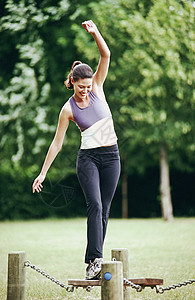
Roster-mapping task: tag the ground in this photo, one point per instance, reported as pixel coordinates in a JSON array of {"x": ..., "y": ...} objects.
[{"x": 157, "y": 249}]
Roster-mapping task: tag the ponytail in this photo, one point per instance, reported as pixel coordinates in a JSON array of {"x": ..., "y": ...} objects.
[
  {"x": 68, "y": 82},
  {"x": 78, "y": 71}
]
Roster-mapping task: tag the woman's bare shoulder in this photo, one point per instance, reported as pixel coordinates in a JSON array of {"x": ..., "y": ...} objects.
[{"x": 66, "y": 110}]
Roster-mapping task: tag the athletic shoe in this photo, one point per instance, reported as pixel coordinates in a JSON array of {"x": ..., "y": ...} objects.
[{"x": 93, "y": 270}]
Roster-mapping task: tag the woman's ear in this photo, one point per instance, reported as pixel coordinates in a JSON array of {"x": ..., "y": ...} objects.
[{"x": 72, "y": 80}]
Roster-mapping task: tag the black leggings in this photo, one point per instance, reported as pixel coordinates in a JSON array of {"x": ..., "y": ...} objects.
[{"x": 98, "y": 171}]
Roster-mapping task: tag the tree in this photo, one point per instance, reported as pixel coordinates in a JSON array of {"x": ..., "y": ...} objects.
[
  {"x": 149, "y": 85},
  {"x": 31, "y": 78},
  {"x": 165, "y": 94},
  {"x": 37, "y": 44}
]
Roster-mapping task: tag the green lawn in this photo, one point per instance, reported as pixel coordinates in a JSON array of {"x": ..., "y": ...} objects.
[{"x": 157, "y": 249}]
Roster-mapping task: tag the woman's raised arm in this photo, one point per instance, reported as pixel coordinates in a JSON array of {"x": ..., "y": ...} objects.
[{"x": 102, "y": 69}]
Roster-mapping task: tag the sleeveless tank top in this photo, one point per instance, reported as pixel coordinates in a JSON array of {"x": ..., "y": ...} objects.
[
  {"x": 87, "y": 116},
  {"x": 95, "y": 122}
]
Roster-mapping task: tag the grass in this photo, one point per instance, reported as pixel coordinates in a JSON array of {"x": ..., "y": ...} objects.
[{"x": 157, "y": 249}]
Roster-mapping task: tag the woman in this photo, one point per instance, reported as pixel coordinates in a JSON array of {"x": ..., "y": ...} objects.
[{"x": 98, "y": 162}]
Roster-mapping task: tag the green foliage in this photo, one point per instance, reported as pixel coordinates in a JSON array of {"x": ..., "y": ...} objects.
[
  {"x": 63, "y": 197},
  {"x": 149, "y": 86},
  {"x": 25, "y": 97},
  {"x": 150, "y": 80},
  {"x": 59, "y": 199},
  {"x": 151, "y": 75}
]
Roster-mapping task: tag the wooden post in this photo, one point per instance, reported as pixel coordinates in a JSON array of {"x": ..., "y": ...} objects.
[
  {"x": 122, "y": 254},
  {"x": 16, "y": 276},
  {"x": 112, "y": 280}
]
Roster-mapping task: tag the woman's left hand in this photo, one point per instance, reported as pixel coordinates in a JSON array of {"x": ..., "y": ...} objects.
[{"x": 89, "y": 26}]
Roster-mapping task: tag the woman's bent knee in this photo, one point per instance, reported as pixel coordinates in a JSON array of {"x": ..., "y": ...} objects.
[{"x": 94, "y": 207}]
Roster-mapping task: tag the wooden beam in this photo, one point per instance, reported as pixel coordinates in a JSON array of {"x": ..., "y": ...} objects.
[
  {"x": 150, "y": 282},
  {"x": 84, "y": 283}
]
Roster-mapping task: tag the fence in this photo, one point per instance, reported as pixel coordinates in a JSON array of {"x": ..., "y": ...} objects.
[{"x": 114, "y": 281}]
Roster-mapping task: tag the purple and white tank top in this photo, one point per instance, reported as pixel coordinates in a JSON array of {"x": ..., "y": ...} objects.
[
  {"x": 95, "y": 122},
  {"x": 95, "y": 111}
]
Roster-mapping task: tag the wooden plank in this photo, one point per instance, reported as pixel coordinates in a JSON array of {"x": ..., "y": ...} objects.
[
  {"x": 83, "y": 282},
  {"x": 147, "y": 281},
  {"x": 141, "y": 281}
]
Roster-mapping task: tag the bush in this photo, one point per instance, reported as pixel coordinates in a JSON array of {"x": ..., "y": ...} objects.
[{"x": 64, "y": 198}]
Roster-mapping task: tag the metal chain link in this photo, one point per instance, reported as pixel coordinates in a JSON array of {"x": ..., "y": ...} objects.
[
  {"x": 131, "y": 284},
  {"x": 161, "y": 289},
  {"x": 67, "y": 288}
]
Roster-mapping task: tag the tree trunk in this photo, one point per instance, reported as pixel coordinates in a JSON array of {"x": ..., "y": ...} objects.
[
  {"x": 124, "y": 197},
  {"x": 166, "y": 204}
]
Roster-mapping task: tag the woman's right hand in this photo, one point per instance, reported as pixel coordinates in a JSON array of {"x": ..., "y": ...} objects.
[
  {"x": 89, "y": 26},
  {"x": 37, "y": 184}
]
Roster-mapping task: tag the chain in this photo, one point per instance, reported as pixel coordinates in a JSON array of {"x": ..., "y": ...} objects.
[
  {"x": 138, "y": 288},
  {"x": 161, "y": 289},
  {"x": 131, "y": 284},
  {"x": 67, "y": 288}
]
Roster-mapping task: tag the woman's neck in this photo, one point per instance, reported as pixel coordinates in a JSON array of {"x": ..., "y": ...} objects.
[{"x": 82, "y": 101}]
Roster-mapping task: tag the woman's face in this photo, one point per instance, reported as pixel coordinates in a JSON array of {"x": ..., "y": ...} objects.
[{"x": 82, "y": 87}]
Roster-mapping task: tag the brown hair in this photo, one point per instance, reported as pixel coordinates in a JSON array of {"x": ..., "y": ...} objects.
[{"x": 78, "y": 70}]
